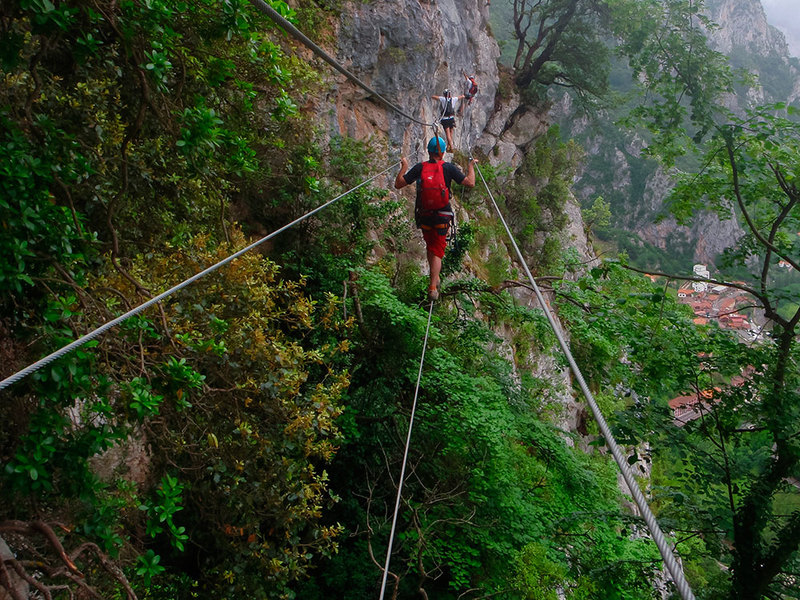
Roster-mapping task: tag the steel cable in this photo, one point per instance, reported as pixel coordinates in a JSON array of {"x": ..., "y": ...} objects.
[
  {"x": 405, "y": 458},
  {"x": 93, "y": 334}
]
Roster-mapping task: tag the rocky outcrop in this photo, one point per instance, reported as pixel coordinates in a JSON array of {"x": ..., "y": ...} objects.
[
  {"x": 743, "y": 30},
  {"x": 511, "y": 128},
  {"x": 408, "y": 51},
  {"x": 743, "y": 24}
]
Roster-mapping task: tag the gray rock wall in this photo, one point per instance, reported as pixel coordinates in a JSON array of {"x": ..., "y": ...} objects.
[
  {"x": 407, "y": 51},
  {"x": 744, "y": 23}
]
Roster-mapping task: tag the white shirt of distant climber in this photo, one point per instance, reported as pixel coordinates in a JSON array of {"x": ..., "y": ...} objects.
[{"x": 443, "y": 103}]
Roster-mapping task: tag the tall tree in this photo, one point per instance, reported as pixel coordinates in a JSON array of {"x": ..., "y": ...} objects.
[
  {"x": 560, "y": 42},
  {"x": 752, "y": 163},
  {"x": 681, "y": 79},
  {"x": 745, "y": 448},
  {"x": 727, "y": 478}
]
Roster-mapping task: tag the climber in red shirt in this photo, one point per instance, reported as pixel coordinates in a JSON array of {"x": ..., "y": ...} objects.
[{"x": 433, "y": 213}]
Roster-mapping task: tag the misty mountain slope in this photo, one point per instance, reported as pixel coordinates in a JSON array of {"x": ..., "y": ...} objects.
[{"x": 636, "y": 187}]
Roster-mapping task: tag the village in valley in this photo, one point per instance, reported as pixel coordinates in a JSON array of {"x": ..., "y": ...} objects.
[{"x": 731, "y": 309}]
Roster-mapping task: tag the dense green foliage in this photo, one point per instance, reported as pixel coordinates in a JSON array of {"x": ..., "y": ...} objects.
[
  {"x": 229, "y": 440},
  {"x": 754, "y": 162},
  {"x": 194, "y": 437},
  {"x": 491, "y": 485},
  {"x": 725, "y": 479},
  {"x": 727, "y": 475}
]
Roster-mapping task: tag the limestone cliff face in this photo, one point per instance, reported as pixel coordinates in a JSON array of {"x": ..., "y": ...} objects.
[
  {"x": 409, "y": 50},
  {"x": 743, "y": 30},
  {"x": 743, "y": 23},
  {"x": 708, "y": 235}
]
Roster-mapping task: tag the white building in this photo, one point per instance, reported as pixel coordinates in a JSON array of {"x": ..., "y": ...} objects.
[{"x": 700, "y": 271}]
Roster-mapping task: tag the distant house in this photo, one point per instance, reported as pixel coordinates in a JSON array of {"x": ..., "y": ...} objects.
[
  {"x": 691, "y": 407},
  {"x": 701, "y": 308},
  {"x": 734, "y": 321}
]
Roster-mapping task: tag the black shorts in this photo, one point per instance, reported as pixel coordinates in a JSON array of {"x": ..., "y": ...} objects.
[{"x": 448, "y": 122}]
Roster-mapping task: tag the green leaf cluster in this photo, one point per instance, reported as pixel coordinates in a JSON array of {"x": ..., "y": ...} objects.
[
  {"x": 537, "y": 197},
  {"x": 127, "y": 128}
]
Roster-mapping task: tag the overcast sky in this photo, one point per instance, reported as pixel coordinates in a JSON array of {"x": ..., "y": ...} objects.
[{"x": 785, "y": 15}]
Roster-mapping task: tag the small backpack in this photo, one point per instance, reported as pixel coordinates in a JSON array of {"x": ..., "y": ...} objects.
[
  {"x": 448, "y": 107},
  {"x": 433, "y": 192}
]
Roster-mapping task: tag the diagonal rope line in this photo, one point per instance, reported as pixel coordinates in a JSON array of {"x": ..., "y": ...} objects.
[
  {"x": 300, "y": 36},
  {"x": 93, "y": 334},
  {"x": 655, "y": 530},
  {"x": 405, "y": 458}
]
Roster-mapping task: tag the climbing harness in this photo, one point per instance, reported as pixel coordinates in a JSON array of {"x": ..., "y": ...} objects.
[
  {"x": 435, "y": 220},
  {"x": 655, "y": 530},
  {"x": 405, "y": 457},
  {"x": 105, "y": 327}
]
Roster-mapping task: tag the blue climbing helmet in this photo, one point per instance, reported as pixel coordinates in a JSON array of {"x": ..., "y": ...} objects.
[{"x": 437, "y": 145}]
